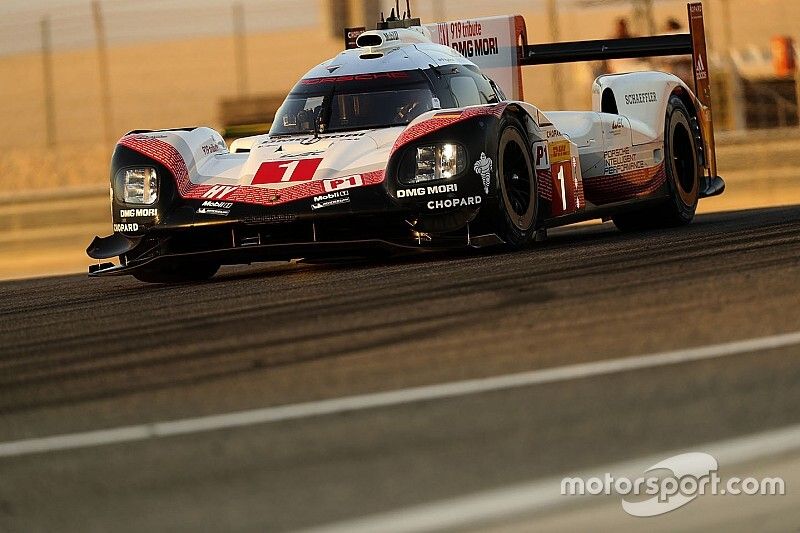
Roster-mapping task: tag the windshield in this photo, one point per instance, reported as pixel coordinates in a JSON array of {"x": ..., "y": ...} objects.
[{"x": 353, "y": 103}]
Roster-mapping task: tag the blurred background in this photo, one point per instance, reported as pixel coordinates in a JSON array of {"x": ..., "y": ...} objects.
[{"x": 75, "y": 75}]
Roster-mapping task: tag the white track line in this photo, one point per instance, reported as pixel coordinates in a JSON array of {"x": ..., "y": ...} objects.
[
  {"x": 385, "y": 399},
  {"x": 501, "y": 504}
]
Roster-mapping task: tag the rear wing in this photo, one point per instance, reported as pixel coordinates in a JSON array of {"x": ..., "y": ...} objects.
[{"x": 692, "y": 43}]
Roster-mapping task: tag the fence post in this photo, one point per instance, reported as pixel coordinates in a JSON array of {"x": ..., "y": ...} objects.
[
  {"x": 47, "y": 81},
  {"x": 643, "y": 16},
  {"x": 240, "y": 49},
  {"x": 556, "y": 70},
  {"x": 738, "y": 113},
  {"x": 439, "y": 14},
  {"x": 650, "y": 18},
  {"x": 797, "y": 79},
  {"x": 105, "y": 78}
]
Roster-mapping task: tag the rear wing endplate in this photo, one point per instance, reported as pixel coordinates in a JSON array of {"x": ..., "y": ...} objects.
[{"x": 692, "y": 43}]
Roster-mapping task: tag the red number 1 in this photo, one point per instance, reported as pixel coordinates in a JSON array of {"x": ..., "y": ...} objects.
[{"x": 285, "y": 171}]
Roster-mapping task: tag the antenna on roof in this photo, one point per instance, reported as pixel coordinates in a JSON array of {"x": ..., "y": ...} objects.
[{"x": 393, "y": 21}]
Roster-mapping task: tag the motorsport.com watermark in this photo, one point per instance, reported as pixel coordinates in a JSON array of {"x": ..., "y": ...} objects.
[{"x": 691, "y": 475}]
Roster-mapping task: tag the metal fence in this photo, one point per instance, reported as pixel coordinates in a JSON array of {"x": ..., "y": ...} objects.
[{"x": 126, "y": 21}]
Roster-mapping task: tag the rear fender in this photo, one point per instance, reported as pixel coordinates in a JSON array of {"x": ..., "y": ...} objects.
[{"x": 642, "y": 97}]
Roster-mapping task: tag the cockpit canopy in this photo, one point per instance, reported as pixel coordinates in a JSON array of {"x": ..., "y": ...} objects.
[{"x": 379, "y": 100}]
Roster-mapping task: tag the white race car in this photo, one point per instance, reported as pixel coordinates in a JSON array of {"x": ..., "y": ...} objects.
[{"x": 407, "y": 141}]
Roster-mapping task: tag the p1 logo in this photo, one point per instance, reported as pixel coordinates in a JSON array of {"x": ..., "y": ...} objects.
[
  {"x": 347, "y": 182},
  {"x": 541, "y": 156}
]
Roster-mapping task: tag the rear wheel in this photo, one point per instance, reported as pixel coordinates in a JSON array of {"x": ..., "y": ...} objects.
[
  {"x": 683, "y": 176},
  {"x": 516, "y": 213},
  {"x": 178, "y": 271}
]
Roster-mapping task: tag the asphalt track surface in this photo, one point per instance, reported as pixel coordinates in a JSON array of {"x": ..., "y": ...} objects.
[{"x": 78, "y": 355}]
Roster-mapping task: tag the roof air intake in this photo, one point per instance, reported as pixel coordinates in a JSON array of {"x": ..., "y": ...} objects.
[{"x": 369, "y": 39}]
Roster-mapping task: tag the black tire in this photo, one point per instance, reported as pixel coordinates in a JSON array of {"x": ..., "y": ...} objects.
[
  {"x": 684, "y": 174},
  {"x": 516, "y": 212},
  {"x": 178, "y": 272}
]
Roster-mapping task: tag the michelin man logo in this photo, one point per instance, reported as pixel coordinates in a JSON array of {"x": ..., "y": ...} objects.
[{"x": 483, "y": 168}]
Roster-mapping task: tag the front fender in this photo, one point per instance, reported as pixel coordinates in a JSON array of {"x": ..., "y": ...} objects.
[{"x": 446, "y": 205}]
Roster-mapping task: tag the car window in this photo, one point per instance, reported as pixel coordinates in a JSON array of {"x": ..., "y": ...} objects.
[
  {"x": 297, "y": 115},
  {"x": 465, "y": 91},
  {"x": 470, "y": 87},
  {"x": 351, "y": 102},
  {"x": 378, "y": 109}
]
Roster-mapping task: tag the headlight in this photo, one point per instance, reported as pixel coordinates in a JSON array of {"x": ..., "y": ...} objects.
[
  {"x": 139, "y": 185},
  {"x": 434, "y": 162}
]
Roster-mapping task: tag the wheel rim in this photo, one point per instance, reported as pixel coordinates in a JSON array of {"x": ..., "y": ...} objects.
[
  {"x": 515, "y": 179},
  {"x": 684, "y": 166}
]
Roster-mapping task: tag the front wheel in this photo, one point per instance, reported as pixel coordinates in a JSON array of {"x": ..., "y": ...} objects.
[
  {"x": 516, "y": 211},
  {"x": 684, "y": 174},
  {"x": 178, "y": 271}
]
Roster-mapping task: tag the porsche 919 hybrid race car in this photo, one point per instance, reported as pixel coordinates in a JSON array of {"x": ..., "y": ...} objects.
[{"x": 407, "y": 141}]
